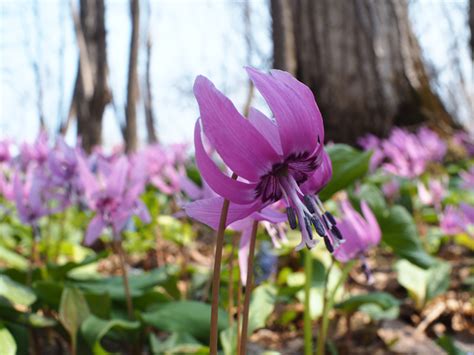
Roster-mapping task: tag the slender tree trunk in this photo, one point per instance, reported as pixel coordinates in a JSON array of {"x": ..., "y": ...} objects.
[
  {"x": 363, "y": 63},
  {"x": 132, "y": 87},
  {"x": 148, "y": 97},
  {"x": 284, "y": 53},
  {"x": 91, "y": 91},
  {"x": 471, "y": 26}
]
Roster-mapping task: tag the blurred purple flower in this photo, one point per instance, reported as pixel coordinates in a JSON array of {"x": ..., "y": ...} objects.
[
  {"x": 273, "y": 158},
  {"x": 433, "y": 195},
  {"x": 360, "y": 233},
  {"x": 456, "y": 220},
  {"x": 161, "y": 170},
  {"x": 34, "y": 154},
  {"x": 29, "y": 197},
  {"x": 371, "y": 142},
  {"x": 5, "y": 155},
  {"x": 391, "y": 188},
  {"x": 433, "y": 145},
  {"x": 114, "y": 196}
]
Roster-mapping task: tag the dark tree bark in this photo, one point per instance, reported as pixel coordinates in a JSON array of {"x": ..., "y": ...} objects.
[
  {"x": 363, "y": 63},
  {"x": 132, "y": 87},
  {"x": 91, "y": 91}
]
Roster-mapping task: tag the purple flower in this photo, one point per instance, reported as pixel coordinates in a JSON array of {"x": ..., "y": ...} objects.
[
  {"x": 36, "y": 153},
  {"x": 433, "y": 195},
  {"x": 272, "y": 157},
  {"x": 391, "y": 188},
  {"x": 29, "y": 197},
  {"x": 371, "y": 142},
  {"x": 456, "y": 220},
  {"x": 160, "y": 168},
  {"x": 434, "y": 146},
  {"x": 360, "y": 233},
  {"x": 5, "y": 155},
  {"x": 114, "y": 196}
]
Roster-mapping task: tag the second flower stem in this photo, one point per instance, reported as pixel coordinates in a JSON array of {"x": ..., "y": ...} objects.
[
  {"x": 248, "y": 290},
  {"x": 126, "y": 286},
  {"x": 308, "y": 329}
]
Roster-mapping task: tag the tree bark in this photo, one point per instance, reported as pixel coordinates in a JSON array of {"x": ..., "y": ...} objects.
[
  {"x": 362, "y": 62},
  {"x": 132, "y": 87},
  {"x": 91, "y": 91}
]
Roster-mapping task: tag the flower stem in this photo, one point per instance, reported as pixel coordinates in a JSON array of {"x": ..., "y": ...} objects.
[
  {"x": 35, "y": 235},
  {"x": 239, "y": 302},
  {"x": 328, "y": 302},
  {"x": 231, "y": 281},
  {"x": 248, "y": 290},
  {"x": 126, "y": 286},
  {"x": 308, "y": 329},
  {"x": 216, "y": 279}
]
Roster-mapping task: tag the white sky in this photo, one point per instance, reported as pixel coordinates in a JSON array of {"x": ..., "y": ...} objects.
[{"x": 190, "y": 37}]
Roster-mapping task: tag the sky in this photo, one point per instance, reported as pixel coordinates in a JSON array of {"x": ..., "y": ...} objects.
[{"x": 190, "y": 37}]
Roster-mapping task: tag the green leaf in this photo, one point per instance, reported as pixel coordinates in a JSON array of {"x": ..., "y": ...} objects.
[
  {"x": 374, "y": 197},
  {"x": 73, "y": 310},
  {"x": 9, "y": 313},
  {"x": 7, "y": 342},
  {"x": 49, "y": 292},
  {"x": 177, "y": 343},
  {"x": 378, "y": 305},
  {"x": 139, "y": 284},
  {"x": 185, "y": 316},
  {"x": 448, "y": 345},
  {"x": 13, "y": 259},
  {"x": 94, "y": 329},
  {"x": 423, "y": 284},
  {"x": 262, "y": 304},
  {"x": 353, "y": 303},
  {"x": 399, "y": 232},
  {"x": 15, "y": 292},
  {"x": 348, "y": 165}
]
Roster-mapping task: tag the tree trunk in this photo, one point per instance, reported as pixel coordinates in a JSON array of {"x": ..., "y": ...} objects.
[
  {"x": 148, "y": 99},
  {"x": 471, "y": 26},
  {"x": 363, "y": 63},
  {"x": 91, "y": 91},
  {"x": 132, "y": 87}
]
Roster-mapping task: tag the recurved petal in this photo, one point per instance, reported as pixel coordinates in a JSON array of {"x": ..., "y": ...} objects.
[
  {"x": 223, "y": 185},
  {"x": 374, "y": 233},
  {"x": 241, "y": 146},
  {"x": 267, "y": 128},
  {"x": 117, "y": 180},
  {"x": 94, "y": 229},
  {"x": 208, "y": 211},
  {"x": 298, "y": 119}
]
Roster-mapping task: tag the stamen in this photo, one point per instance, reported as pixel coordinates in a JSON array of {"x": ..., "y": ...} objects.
[
  {"x": 330, "y": 217},
  {"x": 328, "y": 244},
  {"x": 307, "y": 223},
  {"x": 309, "y": 204},
  {"x": 337, "y": 233},
  {"x": 290, "y": 212},
  {"x": 318, "y": 226}
]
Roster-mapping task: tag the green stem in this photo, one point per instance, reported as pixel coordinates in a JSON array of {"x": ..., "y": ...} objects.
[
  {"x": 308, "y": 329},
  {"x": 328, "y": 302}
]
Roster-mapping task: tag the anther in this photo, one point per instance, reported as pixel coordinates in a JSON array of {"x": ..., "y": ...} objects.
[
  {"x": 328, "y": 244},
  {"x": 337, "y": 233},
  {"x": 330, "y": 217},
  {"x": 307, "y": 224},
  {"x": 318, "y": 226},
  {"x": 290, "y": 212},
  {"x": 309, "y": 204}
]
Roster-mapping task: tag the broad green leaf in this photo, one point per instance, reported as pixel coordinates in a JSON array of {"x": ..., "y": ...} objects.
[
  {"x": 15, "y": 292},
  {"x": 49, "y": 292},
  {"x": 13, "y": 259},
  {"x": 73, "y": 310},
  {"x": 423, "y": 284},
  {"x": 94, "y": 329},
  {"x": 7, "y": 342},
  {"x": 348, "y": 165},
  {"x": 262, "y": 304},
  {"x": 177, "y": 343},
  {"x": 185, "y": 316},
  {"x": 374, "y": 197},
  {"x": 399, "y": 232},
  {"x": 9, "y": 313},
  {"x": 353, "y": 303}
]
